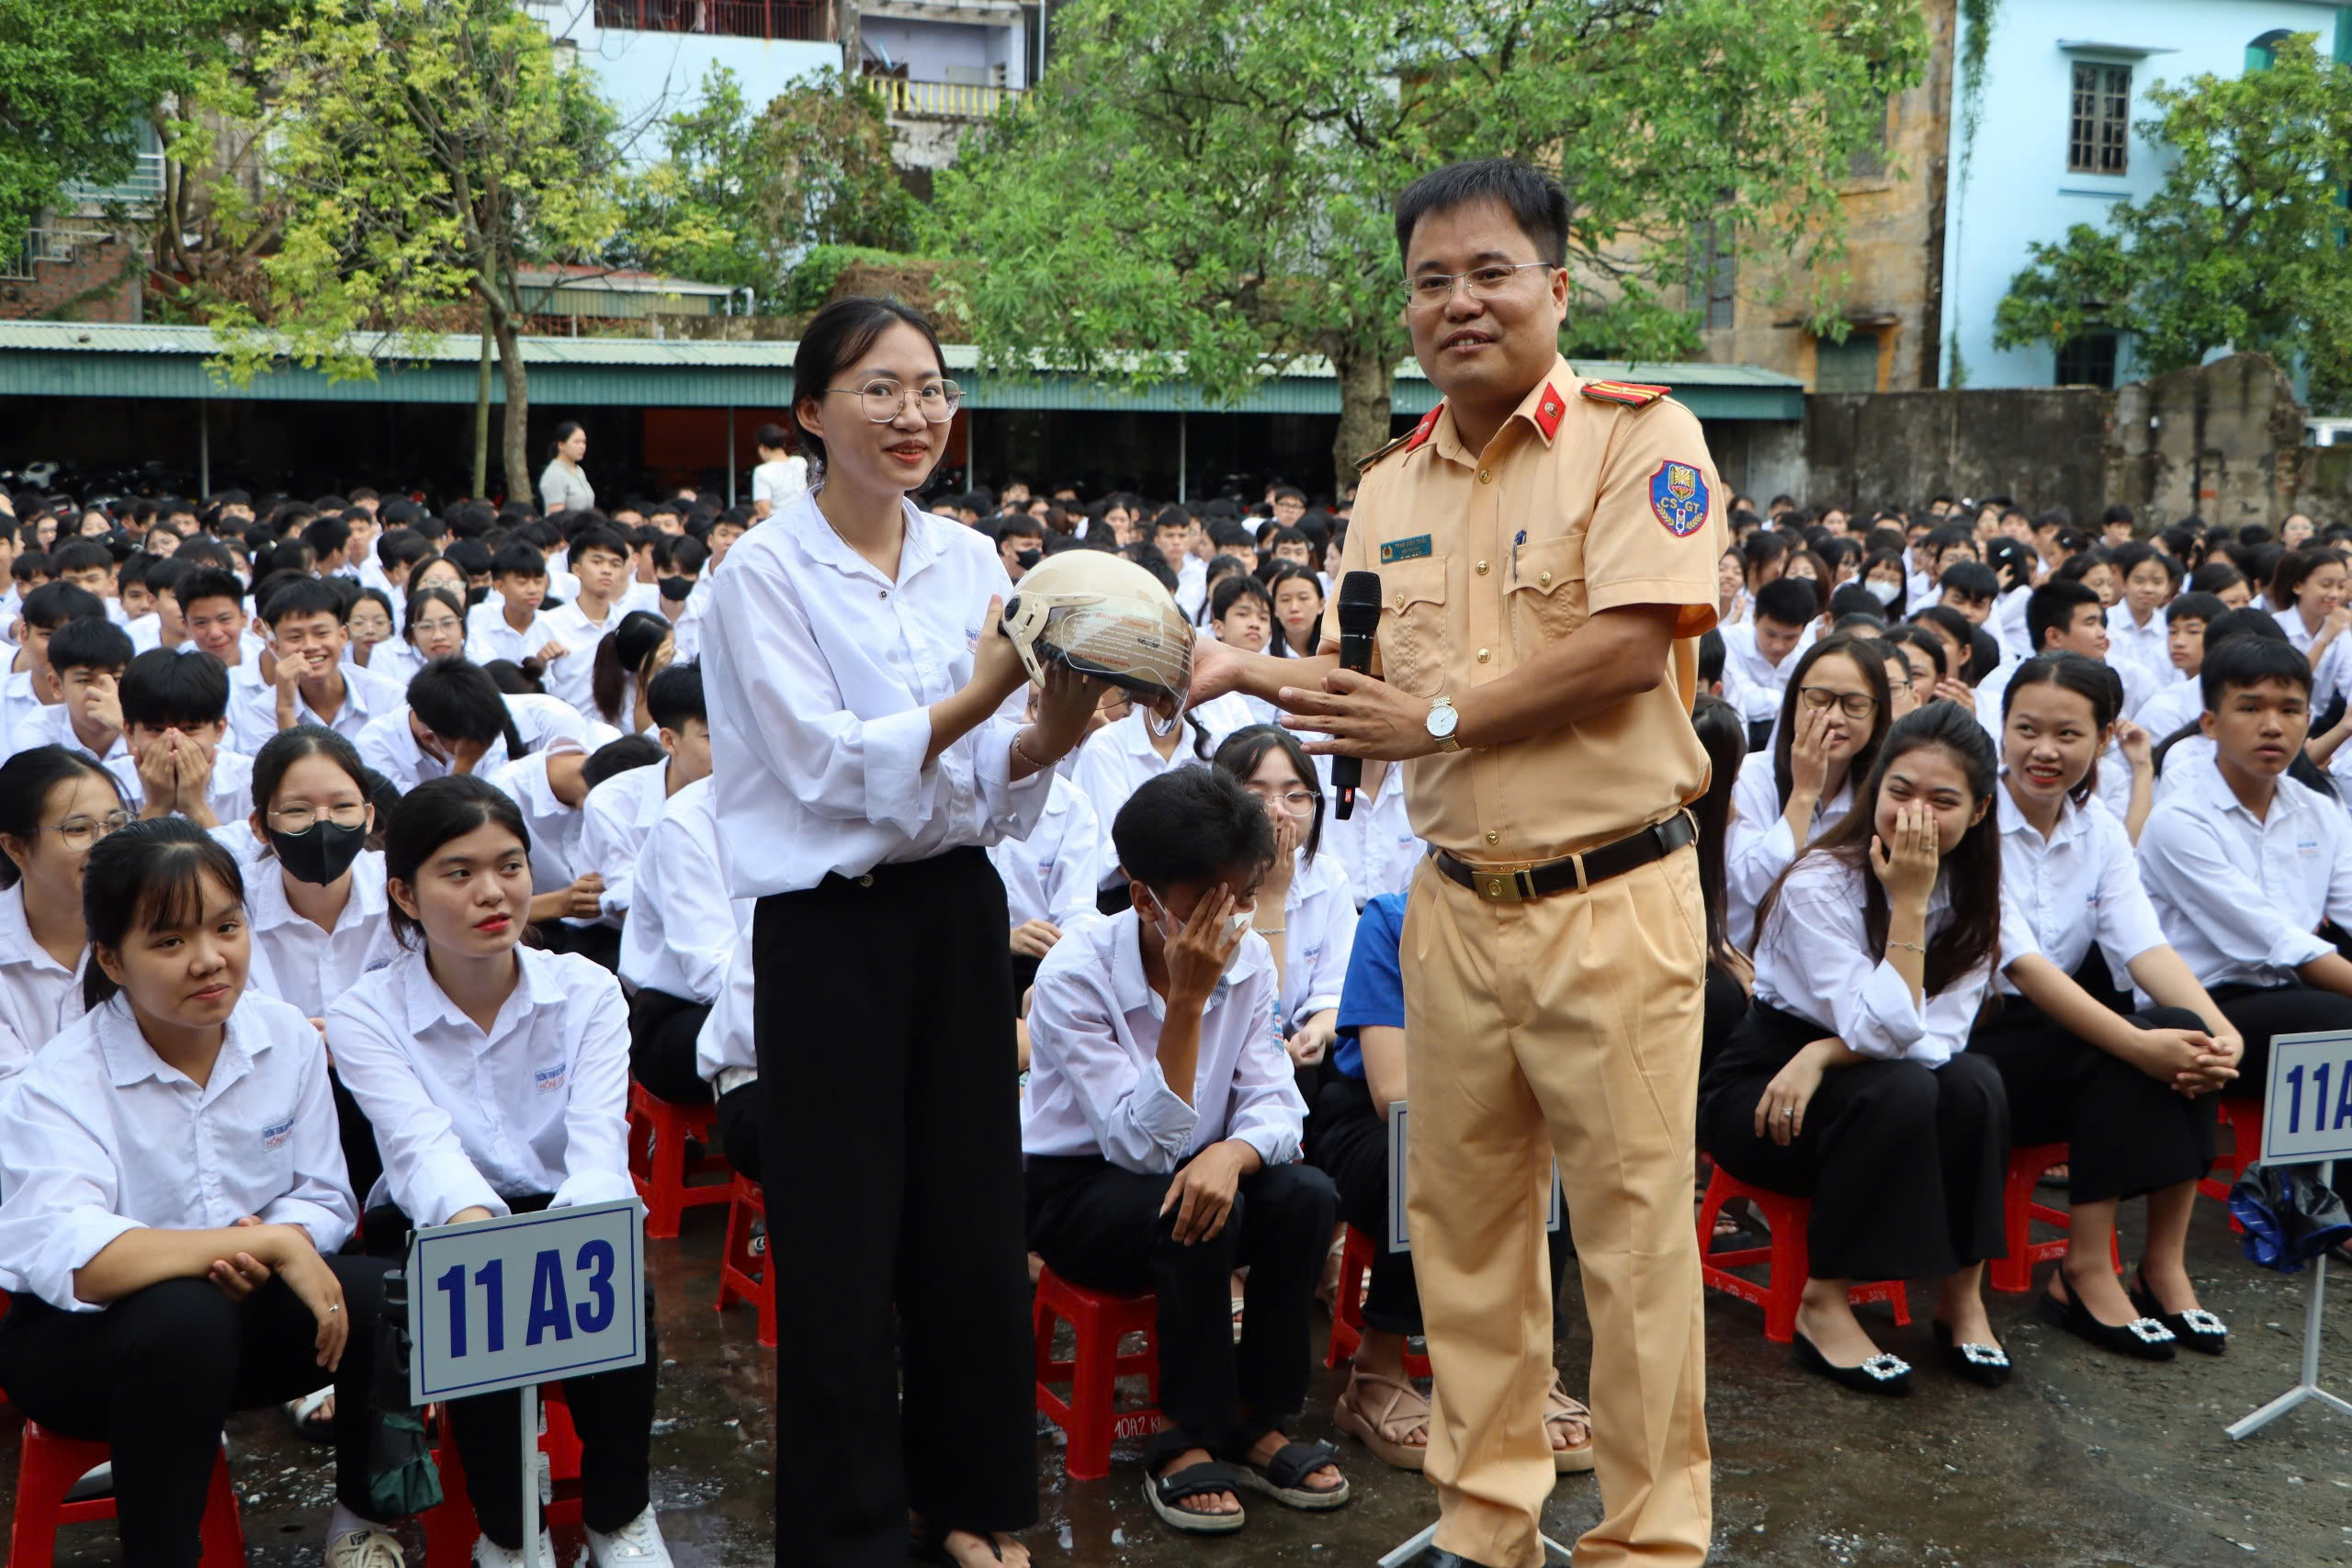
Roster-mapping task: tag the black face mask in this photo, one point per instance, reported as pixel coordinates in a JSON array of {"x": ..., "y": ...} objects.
[
  {"x": 320, "y": 854},
  {"x": 676, "y": 587},
  {"x": 1025, "y": 560}
]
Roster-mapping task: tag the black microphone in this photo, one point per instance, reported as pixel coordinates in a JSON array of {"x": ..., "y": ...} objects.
[{"x": 1359, "y": 623}]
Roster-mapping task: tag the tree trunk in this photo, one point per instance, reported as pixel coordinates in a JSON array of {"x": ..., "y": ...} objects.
[
  {"x": 1365, "y": 397},
  {"x": 482, "y": 413},
  {"x": 519, "y": 405}
]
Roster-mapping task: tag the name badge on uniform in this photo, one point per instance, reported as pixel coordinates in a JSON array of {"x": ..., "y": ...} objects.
[{"x": 1414, "y": 548}]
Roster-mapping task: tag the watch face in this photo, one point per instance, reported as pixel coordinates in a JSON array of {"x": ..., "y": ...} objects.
[{"x": 1442, "y": 718}]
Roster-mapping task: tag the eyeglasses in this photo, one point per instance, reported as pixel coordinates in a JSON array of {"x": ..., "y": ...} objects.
[
  {"x": 1432, "y": 290},
  {"x": 935, "y": 400},
  {"x": 1297, "y": 801},
  {"x": 302, "y": 816},
  {"x": 437, "y": 627},
  {"x": 1855, "y": 705},
  {"x": 81, "y": 832}
]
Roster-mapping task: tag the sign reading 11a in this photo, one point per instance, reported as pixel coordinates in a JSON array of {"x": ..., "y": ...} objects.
[{"x": 2308, "y": 1112}]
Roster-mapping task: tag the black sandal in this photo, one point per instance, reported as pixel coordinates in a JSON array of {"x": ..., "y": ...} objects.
[
  {"x": 2197, "y": 1329},
  {"x": 928, "y": 1543},
  {"x": 1279, "y": 1476},
  {"x": 1166, "y": 1494},
  {"x": 2143, "y": 1338}
]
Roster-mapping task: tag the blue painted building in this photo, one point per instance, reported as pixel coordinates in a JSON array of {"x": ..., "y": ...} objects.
[{"x": 2052, "y": 138}]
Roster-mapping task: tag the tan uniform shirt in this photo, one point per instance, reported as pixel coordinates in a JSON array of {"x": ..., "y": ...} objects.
[{"x": 1578, "y": 505}]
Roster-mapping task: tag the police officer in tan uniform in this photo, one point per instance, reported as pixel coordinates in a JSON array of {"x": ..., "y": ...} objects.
[{"x": 1546, "y": 547}]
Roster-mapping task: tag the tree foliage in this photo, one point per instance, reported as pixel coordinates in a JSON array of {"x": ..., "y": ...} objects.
[
  {"x": 2242, "y": 245},
  {"x": 1212, "y": 178},
  {"x": 425, "y": 151},
  {"x": 740, "y": 194}
]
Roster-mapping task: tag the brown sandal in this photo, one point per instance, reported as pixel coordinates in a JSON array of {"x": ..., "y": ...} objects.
[
  {"x": 1404, "y": 1410},
  {"x": 1572, "y": 1414}
]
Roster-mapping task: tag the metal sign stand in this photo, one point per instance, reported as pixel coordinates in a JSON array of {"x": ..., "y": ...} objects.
[
  {"x": 530, "y": 1392},
  {"x": 1553, "y": 1551},
  {"x": 2309, "y": 1388}
]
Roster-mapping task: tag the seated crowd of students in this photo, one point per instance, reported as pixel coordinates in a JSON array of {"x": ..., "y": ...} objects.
[{"x": 2042, "y": 846}]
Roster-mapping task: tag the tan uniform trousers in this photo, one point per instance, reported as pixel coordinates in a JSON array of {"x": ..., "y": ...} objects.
[{"x": 1565, "y": 1025}]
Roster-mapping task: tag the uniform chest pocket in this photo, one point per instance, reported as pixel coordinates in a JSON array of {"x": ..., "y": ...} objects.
[
  {"x": 1545, "y": 599},
  {"x": 1412, "y": 625}
]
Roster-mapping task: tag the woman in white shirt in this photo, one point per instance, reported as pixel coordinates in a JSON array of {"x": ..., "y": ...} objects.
[
  {"x": 175, "y": 1201},
  {"x": 2131, "y": 1097},
  {"x": 1307, "y": 909},
  {"x": 497, "y": 1079},
  {"x": 1834, "y": 714},
  {"x": 1849, "y": 1082},
  {"x": 55, "y": 803},
  {"x": 782, "y": 476},
  {"x": 434, "y": 629},
  {"x": 641, "y": 647},
  {"x": 866, "y": 746},
  {"x": 563, "y": 484}
]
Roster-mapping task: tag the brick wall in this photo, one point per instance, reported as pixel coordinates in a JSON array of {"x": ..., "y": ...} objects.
[{"x": 102, "y": 283}]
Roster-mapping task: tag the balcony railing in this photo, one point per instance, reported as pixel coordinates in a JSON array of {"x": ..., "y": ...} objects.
[
  {"x": 143, "y": 186},
  {"x": 41, "y": 244},
  {"x": 942, "y": 100},
  {"x": 808, "y": 21}
]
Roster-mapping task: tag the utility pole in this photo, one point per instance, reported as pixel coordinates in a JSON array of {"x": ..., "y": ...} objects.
[{"x": 853, "y": 49}]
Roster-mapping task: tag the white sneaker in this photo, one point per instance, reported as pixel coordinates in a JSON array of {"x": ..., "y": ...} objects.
[
  {"x": 636, "y": 1545},
  {"x": 488, "y": 1553},
  {"x": 364, "y": 1549}
]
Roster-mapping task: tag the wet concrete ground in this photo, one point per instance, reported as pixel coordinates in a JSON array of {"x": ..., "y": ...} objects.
[{"x": 2085, "y": 1460}]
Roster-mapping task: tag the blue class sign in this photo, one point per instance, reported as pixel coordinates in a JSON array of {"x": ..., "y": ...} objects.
[
  {"x": 525, "y": 1299},
  {"x": 2307, "y": 1111}
]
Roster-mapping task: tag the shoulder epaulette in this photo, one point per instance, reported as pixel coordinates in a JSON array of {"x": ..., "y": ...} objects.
[
  {"x": 1632, "y": 394},
  {"x": 1407, "y": 442},
  {"x": 1365, "y": 463}
]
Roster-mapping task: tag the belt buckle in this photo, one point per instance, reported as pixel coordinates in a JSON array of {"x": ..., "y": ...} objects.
[{"x": 1513, "y": 884}]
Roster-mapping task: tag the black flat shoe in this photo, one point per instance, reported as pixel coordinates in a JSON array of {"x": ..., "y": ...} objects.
[
  {"x": 2197, "y": 1329},
  {"x": 2143, "y": 1338},
  {"x": 1985, "y": 1364},
  {"x": 1882, "y": 1373}
]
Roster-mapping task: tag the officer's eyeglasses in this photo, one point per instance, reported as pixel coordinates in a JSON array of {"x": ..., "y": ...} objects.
[
  {"x": 302, "y": 816},
  {"x": 1855, "y": 705},
  {"x": 80, "y": 832},
  {"x": 935, "y": 400},
  {"x": 1432, "y": 290}
]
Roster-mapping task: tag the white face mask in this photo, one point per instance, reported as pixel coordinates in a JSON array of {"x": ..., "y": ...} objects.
[
  {"x": 1237, "y": 924},
  {"x": 1884, "y": 592}
]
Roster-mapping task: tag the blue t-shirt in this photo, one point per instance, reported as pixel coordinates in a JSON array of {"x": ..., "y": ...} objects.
[{"x": 1372, "y": 996}]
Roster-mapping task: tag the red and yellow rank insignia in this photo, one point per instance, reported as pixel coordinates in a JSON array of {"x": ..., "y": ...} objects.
[
  {"x": 1548, "y": 412},
  {"x": 1422, "y": 431},
  {"x": 1632, "y": 394}
]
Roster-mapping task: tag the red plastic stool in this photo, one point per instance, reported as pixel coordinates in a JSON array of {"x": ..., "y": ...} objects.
[
  {"x": 2244, "y": 1119},
  {"x": 2014, "y": 1274},
  {"x": 657, "y": 1131},
  {"x": 1346, "y": 1306},
  {"x": 1788, "y": 1259},
  {"x": 741, "y": 1276},
  {"x": 46, "y": 1472},
  {"x": 1087, "y": 1420},
  {"x": 451, "y": 1529}
]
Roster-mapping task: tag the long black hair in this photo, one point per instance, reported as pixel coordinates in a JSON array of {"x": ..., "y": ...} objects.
[
  {"x": 1275, "y": 573},
  {"x": 1971, "y": 871},
  {"x": 1863, "y": 655},
  {"x": 2086, "y": 678},
  {"x": 26, "y": 780},
  {"x": 836, "y": 336},
  {"x": 287, "y": 747},
  {"x": 430, "y": 816},
  {"x": 1725, "y": 735},
  {"x": 149, "y": 875},
  {"x": 622, "y": 652},
  {"x": 1241, "y": 753}
]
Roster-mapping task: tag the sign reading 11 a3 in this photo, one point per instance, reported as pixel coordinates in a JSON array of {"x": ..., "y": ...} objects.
[
  {"x": 2307, "y": 1114},
  {"x": 525, "y": 1299}
]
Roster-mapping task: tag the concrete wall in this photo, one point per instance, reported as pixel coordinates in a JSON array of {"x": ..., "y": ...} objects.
[
  {"x": 2044, "y": 448},
  {"x": 2012, "y": 187},
  {"x": 2223, "y": 440}
]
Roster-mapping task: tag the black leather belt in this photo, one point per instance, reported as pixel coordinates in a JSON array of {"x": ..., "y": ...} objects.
[{"x": 1517, "y": 884}]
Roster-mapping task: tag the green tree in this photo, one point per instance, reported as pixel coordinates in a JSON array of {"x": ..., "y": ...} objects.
[
  {"x": 426, "y": 150},
  {"x": 1210, "y": 181},
  {"x": 739, "y": 195},
  {"x": 2242, "y": 245}
]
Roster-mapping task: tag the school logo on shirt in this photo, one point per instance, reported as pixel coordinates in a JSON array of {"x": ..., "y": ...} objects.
[
  {"x": 276, "y": 1138},
  {"x": 547, "y": 1080},
  {"x": 1678, "y": 497}
]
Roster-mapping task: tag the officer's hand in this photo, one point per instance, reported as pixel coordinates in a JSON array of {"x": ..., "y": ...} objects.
[
  {"x": 1359, "y": 716},
  {"x": 1216, "y": 670}
]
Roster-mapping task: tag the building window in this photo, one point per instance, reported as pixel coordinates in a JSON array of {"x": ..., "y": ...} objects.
[
  {"x": 1848, "y": 366},
  {"x": 1714, "y": 268},
  {"x": 1867, "y": 161},
  {"x": 2100, "y": 126},
  {"x": 2087, "y": 361}
]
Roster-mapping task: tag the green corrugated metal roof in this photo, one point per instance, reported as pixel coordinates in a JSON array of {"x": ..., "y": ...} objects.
[{"x": 70, "y": 360}]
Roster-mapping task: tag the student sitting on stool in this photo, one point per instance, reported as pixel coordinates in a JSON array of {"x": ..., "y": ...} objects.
[{"x": 1160, "y": 1120}]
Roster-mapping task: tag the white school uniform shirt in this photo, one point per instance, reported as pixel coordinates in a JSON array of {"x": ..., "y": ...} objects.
[
  {"x": 104, "y": 1138},
  {"x": 646, "y": 596},
  {"x": 1318, "y": 933},
  {"x": 614, "y": 823},
  {"x": 2146, "y": 650},
  {"x": 488, "y": 635},
  {"x": 2007, "y": 623},
  {"x": 818, "y": 672},
  {"x": 2079, "y": 885},
  {"x": 309, "y": 967},
  {"x": 1050, "y": 875},
  {"x": 39, "y": 997},
  {"x": 555, "y": 827},
  {"x": 1095, "y": 1087},
  {"x": 367, "y": 697},
  {"x": 146, "y": 631},
  {"x": 1116, "y": 760},
  {"x": 389, "y": 745},
  {"x": 1760, "y": 845},
  {"x": 53, "y": 725},
  {"x": 1811, "y": 961},
  {"x": 1375, "y": 846},
  {"x": 2113, "y": 789},
  {"x": 2240, "y": 897},
  {"x": 1752, "y": 684},
  {"x": 536, "y": 1105},
  {"x": 572, "y": 676},
  {"x": 1192, "y": 587},
  {"x": 230, "y": 793},
  {"x": 2332, "y": 672},
  {"x": 681, "y": 927},
  {"x": 17, "y": 704},
  {"x": 395, "y": 661},
  {"x": 727, "y": 1053},
  {"x": 2169, "y": 707},
  {"x": 779, "y": 482}
]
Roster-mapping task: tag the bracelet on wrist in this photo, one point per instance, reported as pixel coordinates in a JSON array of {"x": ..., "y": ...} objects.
[
  {"x": 1025, "y": 754},
  {"x": 1916, "y": 947},
  {"x": 1270, "y": 931}
]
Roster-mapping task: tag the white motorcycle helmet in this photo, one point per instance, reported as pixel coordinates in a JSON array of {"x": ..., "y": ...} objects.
[{"x": 1105, "y": 617}]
